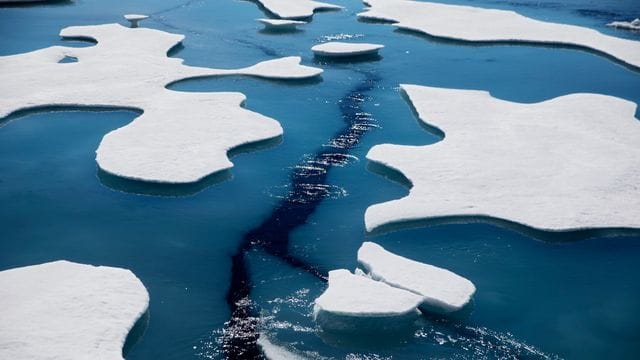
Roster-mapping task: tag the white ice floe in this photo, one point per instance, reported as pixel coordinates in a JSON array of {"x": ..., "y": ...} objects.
[
  {"x": 272, "y": 351},
  {"x": 65, "y": 310},
  {"x": 628, "y": 25},
  {"x": 572, "y": 162},
  {"x": 344, "y": 49},
  {"x": 295, "y": 9},
  {"x": 181, "y": 137},
  {"x": 488, "y": 25},
  {"x": 134, "y": 19},
  {"x": 358, "y": 303},
  {"x": 442, "y": 291},
  {"x": 280, "y": 24}
]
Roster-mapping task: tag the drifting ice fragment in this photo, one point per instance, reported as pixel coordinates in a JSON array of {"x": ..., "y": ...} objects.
[
  {"x": 134, "y": 19},
  {"x": 343, "y": 49}
]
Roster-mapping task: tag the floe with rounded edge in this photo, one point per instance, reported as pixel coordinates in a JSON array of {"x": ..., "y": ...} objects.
[
  {"x": 298, "y": 9},
  {"x": 354, "y": 303},
  {"x": 134, "y": 19},
  {"x": 468, "y": 23},
  {"x": 442, "y": 290},
  {"x": 181, "y": 137},
  {"x": 627, "y": 25},
  {"x": 65, "y": 310},
  {"x": 344, "y": 49},
  {"x": 281, "y": 24},
  {"x": 568, "y": 163}
]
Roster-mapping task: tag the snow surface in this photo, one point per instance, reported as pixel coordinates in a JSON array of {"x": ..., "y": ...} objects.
[
  {"x": 351, "y": 298},
  {"x": 65, "y": 310},
  {"x": 628, "y": 25},
  {"x": 281, "y": 24},
  {"x": 572, "y": 162},
  {"x": 344, "y": 49},
  {"x": 442, "y": 290},
  {"x": 298, "y": 9},
  {"x": 181, "y": 137},
  {"x": 488, "y": 25}
]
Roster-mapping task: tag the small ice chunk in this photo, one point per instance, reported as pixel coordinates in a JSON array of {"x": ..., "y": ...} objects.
[
  {"x": 628, "y": 25},
  {"x": 65, "y": 310},
  {"x": 280, "y": 24},
  {"x": 272, "y": 351},
  {"x": 134, "y": 19},
  {"x": 441, "y": 290},
  {"x": 344, "y": 49},
  {"x": 355, "y": 303}
]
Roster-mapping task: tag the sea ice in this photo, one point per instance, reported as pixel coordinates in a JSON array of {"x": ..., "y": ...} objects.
[
  {"x": 358, "y": 303},
  {"x": 628, "y": 25},
  {"x": 65, "y": 310},
  {"x": 272, "y": 351},
  {"x": 442, "y": 291},
  {"x": 572, "y": 162},
  {"x": 181, "y": 137},
  {"x": 134, "y": 19},
  {"x": 280, "y": 24},
  {"x": 344, "y": 49},
  {"x": 468, "y": 23},
  {"x": 298, "y": 9}
]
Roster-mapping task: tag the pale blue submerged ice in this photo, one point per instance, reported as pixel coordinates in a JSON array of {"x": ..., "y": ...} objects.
[{"x": 539, "y": 294}]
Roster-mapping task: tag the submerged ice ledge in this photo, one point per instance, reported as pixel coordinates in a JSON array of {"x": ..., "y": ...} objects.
[
  {"x": 65, "y": 310},
  {"x": 180, "y": 137},
  {"x": 568, "y": 163},
  {"x": 468, "y": 23}
]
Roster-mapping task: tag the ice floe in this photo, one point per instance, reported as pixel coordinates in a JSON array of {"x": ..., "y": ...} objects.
[
  {"x": 281, "y": 24},
  {"x": 272, "y": 351},
  {"x": 65, "y": 310},
  {"x": 344, "y": 49},
  {"x": 354, "y": 303},
  {"x": 468, "y": 23},
  {"x": 442, "y": 290},
  {"x": 572, "y": 162},
  {"x": 134, "y": 19},
  {"x": 181, "y": 137},
  {"x": 627, "y": 25},
  {"x": 298, "y": 9}
]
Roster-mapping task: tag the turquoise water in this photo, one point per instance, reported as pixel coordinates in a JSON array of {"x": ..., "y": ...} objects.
[{"x": 572, "y": 297}]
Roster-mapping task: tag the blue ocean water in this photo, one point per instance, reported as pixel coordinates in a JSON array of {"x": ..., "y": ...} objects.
[{"x": 570, "y": 297}]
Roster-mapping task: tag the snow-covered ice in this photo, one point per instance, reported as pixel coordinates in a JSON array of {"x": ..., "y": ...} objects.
[
  {"x": 358, "y": 303},
  {"x": 468, "y": 23},
  {"x": 345, "y": 49},
  {"x": 627, "y": 25},
  {"x": 134, "y": 19},
  {"x": 65, "y": 310},
  {"x": 181, "y": 137},
  {"x": 572, "y": 162},
  {"x": 298, "y": 9},
  {"x": 281, "y": 24},
  {"x": 442, "y": 290}
]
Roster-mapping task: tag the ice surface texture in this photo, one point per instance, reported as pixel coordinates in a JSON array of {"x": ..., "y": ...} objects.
[
  {"x": 357, "y": 303},
  {"x": 180, "y": 137},
  {"x": 487, "y": 25},
  {"x": 295, "y": 9},
  {"x": 442, "y": 291},
  {"x": 343, "y": 49},
  {"x": 65, "y": 310},
  {"x": 572, "y": 162}
]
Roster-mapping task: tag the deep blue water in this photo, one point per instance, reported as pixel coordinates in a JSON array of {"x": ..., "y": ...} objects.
[{"x": 571, "y": 298}]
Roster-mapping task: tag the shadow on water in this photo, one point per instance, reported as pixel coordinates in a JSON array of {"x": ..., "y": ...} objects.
[
  {"x": 325, "y": 60},
  {"x": 136, "y": 333},
  {"x": 139, "y": 187},
  {"x": 308, "y": 190}
]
